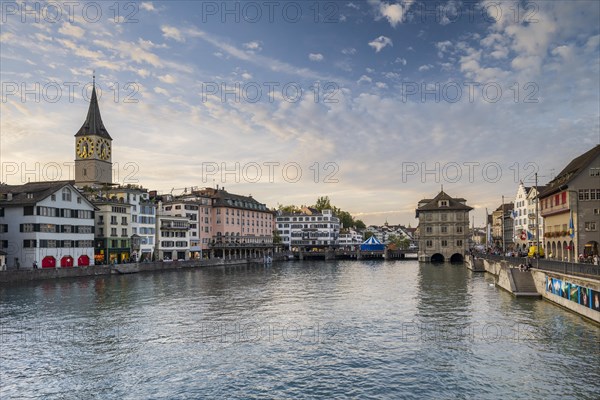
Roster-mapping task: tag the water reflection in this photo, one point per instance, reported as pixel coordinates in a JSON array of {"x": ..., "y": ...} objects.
[{"x": 302, "y": 330}]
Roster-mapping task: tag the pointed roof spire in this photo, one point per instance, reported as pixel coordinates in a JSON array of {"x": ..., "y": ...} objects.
[{"x": 93, "y": 122}]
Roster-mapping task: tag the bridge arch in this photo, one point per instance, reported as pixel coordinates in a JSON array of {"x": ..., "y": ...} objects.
[
  {"x": 437, "y": 258},
  {"x": 456, "y": 258}
]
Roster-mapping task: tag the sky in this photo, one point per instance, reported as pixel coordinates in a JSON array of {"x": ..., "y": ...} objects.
[{"x": 376, "y": 104}]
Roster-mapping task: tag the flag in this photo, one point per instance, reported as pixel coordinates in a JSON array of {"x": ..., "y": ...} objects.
[
  {"x": 571, "y": 226},
  {"x": 529, "y": 235}
]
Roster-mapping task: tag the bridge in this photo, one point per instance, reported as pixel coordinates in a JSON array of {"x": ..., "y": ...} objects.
[{"x": 340, "y": 254}]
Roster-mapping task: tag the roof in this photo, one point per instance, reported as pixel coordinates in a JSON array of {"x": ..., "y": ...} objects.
[
  {"x": 572, "y": 170},
  {"x": 454, "y": 204},
  {"x": 506, "y": 207},
  {"x": 93, "y": 122},
  {"x": 222, "y": 198},
  {"x": 372, "y": 240},
  {"x": 32, "y": 193}
]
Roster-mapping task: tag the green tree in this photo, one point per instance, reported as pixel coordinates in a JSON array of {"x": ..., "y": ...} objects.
[
  {"x": 358, "y": 224},
  {"x": 367, "y": 235},
  {"x": 323, "y": 203},
  {"x": 287, "y": 209},
  {"x": 276, "y": 237}
]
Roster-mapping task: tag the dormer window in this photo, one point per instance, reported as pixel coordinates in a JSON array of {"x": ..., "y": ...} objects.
[
  {"x": 66, "y": 194},
  {"x": 443, "y": 203},
  {"x": 30, "y": 195}
]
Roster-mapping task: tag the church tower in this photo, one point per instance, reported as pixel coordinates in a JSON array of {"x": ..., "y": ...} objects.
[{"x": 93, "y": 144}]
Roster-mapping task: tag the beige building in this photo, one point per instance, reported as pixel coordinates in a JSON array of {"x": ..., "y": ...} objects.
[
  {"x": 573, "y": 195},
  {"x": 443, "y": 228}
]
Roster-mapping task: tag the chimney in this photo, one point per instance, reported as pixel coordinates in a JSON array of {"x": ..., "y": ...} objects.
[{"x": 9, "y": 196}]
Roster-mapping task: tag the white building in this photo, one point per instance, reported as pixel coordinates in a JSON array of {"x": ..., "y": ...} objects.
[
  {"x": 50, "y": 223},
  {"x": 143, "y": 221},
  {"x": 350, "y": 240},
  {"x": 191, "y": 211},
  {"x": 521, "y": 219},
  {"x": 308, "y": 230},
  {"x": 172, "y": 242},
  {"x": 385, "y": 231}
]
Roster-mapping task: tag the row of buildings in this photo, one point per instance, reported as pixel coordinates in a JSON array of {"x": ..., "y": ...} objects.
[
  {"x": 563, "y": 216},
  {"x": 92, "y": 221}
]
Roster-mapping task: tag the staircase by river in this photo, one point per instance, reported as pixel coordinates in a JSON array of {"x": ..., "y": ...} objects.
[{"x": 524, "y": 284}]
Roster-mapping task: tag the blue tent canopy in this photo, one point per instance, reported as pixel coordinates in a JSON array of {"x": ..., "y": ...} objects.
[{"x": 372, "y": 244}]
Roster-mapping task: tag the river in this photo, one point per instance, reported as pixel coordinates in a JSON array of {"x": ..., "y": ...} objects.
[{"x": 335, "y": 329}]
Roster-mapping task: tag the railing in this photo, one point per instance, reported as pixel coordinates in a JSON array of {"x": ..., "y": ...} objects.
[{"x": 564, "y": 267}]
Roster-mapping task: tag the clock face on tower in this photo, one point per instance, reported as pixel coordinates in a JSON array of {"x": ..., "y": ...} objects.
[
  {"x": 85, "y": 148},
  {"x": 103, "y": 149}
]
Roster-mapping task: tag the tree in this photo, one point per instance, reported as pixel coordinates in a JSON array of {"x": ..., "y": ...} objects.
[
  {"x": 367, "y": 235},
  {"x": 358, "y": 224},
  {"x": 323, "y": 203},
  {"x": 276, "y": 237},
  {"x": 290, "y": 209}
]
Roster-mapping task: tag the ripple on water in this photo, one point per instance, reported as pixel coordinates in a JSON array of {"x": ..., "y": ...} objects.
[{"x": 298, "y": 330}]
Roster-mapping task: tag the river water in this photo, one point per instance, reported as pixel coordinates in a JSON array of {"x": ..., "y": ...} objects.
[{"x": 339, "y": 329}]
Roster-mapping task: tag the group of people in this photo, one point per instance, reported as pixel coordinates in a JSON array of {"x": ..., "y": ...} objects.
[{"x": 524, "y": 267}]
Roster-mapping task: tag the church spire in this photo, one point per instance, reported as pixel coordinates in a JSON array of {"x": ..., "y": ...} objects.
[{"x": 93, "y": 122}]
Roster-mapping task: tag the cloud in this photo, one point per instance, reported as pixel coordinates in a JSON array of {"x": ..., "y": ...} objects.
[
  {"x": 426, "y": 67},
  {"x": 254, "y": 45},
  {"x": 167, "y": 79},
  {"x": 171, "y": 32},
  {"x": 400, "y": 60},
  {"x": 349, "y": 51},
  {"x": 71, "y": 30},
  {"x": 247, "y": 76},
  {"x": 81, "y": 51},
  {"x": 144, "y": 73},
  {"x": 381, "y": 85},
  {"x": 257, "y": 59},
  {"x": 160, "y": 90},
  {"x": 315, "y": 57},
  {"x": 352, "y": 5},
  {"x": 395, "y": 13},
  {"x": 364, "y": 79},
  {"x": 147, "y": 6},
  {"x": 380, "y": 43},
  {"x": 131, "y": 51}
]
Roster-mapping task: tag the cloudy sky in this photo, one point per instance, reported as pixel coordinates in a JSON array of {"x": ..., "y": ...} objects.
[{"x": 373, "y": 103}]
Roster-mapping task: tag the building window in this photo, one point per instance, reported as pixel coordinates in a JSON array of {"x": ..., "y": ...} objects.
[
  {"x": 595, "y": 171},
  {"x": 459, "y": 229},
  {"x": 66, "y": 194},
  {"x": 429, "y": 243},
  {"x": 444, "y": 243},
  {"x": 564, "y": 197},
  {"x": 459, "y": 243},
  {"x": 444, "y": 229}
]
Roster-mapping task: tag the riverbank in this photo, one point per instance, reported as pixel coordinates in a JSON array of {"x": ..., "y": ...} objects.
[
  {"x": 27, "y": 275},
  {"x": 573, "y": 287}
]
